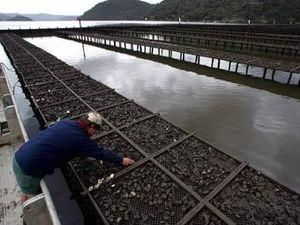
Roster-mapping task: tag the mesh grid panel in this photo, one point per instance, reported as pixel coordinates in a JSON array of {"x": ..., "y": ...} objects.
[
  {"x": 153, "y": 134},
  {"x": 198, "y": 165},
  {"x": 39, "y": 80},
  {"x": 74, "y": 107},
  {"x": 252, "y": 199},
  {"x": 104, "y": 99},
  {"x": 125, "y": 113},
  {"x": 90, "y": 214},
  {"x": 90, "y": 170},
  {"x": 40, "y": 89},
  {"x": 206, "y": 217},
  {"x": 90, "y": 87},
  {"x": 53, "y": 97},
  {"x": 144, "y": 196}
]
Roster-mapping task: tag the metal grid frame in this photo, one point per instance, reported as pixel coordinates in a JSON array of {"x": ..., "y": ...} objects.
[{"x": 204, "y": 203}]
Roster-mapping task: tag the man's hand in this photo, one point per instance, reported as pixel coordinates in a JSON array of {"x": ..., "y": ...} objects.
[{"x": 127, "y": 161}]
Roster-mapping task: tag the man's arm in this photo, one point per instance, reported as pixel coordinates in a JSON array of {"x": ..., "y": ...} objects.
[{"x": 105, "y": 154}]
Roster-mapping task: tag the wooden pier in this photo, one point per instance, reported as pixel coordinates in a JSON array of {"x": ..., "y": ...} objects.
[
  {"x": 180, "y": 52},
  {"x": 276, "y": 47}
]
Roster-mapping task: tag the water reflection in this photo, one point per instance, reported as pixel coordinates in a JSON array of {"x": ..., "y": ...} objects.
[
  {"x": 4, "y": 25},
  {"x": 251, "y": 124}
]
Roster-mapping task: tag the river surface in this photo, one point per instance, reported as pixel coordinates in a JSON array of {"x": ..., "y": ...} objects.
[
  {"x": 4, "y": 25},
  {"x": 251, "y": 124}
]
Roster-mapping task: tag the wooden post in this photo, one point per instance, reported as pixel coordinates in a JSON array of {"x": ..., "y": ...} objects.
[
  {"x": 296, "y": 52},
  {"x": 247, "y": 69},
  {"x": 237, "y": 67},
  {"x": 265, "y": 73},
  {"x": 229, "y": 66},
  {"x": 219, "y": 61},
  {"x": 273, "y": 74},
  {"x": 266, "y": 51},
  {"x": 290, "y": 78},
  {"x": 212, "y": 62},
  {"x": 251, "y": 49}
]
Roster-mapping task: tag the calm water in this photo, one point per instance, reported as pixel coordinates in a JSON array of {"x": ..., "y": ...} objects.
[
  {"x": 4, "y": 25},
  {"x": 250, "y": 124}
]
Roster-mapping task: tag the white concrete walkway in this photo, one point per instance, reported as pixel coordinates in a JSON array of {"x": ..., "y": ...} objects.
[{"x": 10, "y": 207}]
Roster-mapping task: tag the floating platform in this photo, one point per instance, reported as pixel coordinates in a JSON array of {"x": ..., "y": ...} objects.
[
  {"x": 193, "y": 54},
  {"x": 178, "y": 178}
]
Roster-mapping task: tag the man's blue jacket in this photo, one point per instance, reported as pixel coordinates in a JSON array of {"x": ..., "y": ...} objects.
[{"x": 59, "y": 143}]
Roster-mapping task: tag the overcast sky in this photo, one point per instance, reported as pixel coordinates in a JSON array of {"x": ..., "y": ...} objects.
[{"x": 60, "y": 7}]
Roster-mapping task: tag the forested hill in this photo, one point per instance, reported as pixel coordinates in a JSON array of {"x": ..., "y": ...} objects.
[
  {"x": 279, "y": 11},
  {"x": 19, "y": 18},
  {"x": 118, "y": 10}
]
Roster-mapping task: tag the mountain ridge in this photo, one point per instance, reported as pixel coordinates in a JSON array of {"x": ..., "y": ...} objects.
[
  {"x": 38, "y": 16},
  {"x": 118, "y": 10},
  {"x": 261, "y": 11},
  {"x": 19, "y": 18}
]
